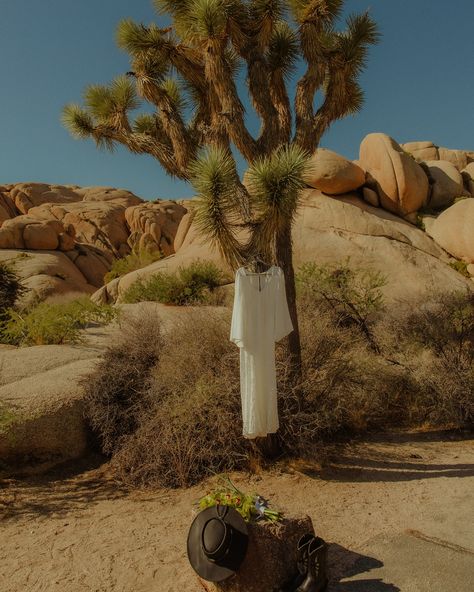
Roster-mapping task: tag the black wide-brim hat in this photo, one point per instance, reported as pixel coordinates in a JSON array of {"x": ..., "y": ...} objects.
[{"x": 217, "y": 543}]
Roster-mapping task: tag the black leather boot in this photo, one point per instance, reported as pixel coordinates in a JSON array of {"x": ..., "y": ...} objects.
[
  {"x": 301, "y": 563},
  {"x": 316, "y": 579}
]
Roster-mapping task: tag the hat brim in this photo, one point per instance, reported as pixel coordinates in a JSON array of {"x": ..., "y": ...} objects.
[{"x": 202, "y": 565}]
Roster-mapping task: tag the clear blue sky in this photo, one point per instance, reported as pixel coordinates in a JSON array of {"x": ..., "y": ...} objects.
[{"x": 419, "y": 86}]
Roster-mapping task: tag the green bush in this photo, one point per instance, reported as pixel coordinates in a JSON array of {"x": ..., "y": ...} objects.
[
  {"x": 10, "y": 288},
  {"x": 460, "y": 267},
  {"x": 137, "y": 259},
  {"x": 45, "y": 323},
  {"x": 188, "y": 285},
  {"x": 419, "y": 222},
  {"x": 352, "y": 295}
]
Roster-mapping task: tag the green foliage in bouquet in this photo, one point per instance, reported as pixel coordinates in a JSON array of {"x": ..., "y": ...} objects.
[{"x": 250, "y": 506}]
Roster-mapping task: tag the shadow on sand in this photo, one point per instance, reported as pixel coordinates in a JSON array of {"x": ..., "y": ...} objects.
[
  {"x": 344, "y": 564},
  {"x": 354, "y": 463},
  {"x": 68, "y": 487}
]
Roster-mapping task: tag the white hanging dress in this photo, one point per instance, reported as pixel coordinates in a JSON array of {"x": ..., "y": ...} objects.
[{"x": 260, "y": 317}]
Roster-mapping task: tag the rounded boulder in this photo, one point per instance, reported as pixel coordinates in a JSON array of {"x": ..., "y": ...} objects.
[
  {"x": 333, "y": 174},
  {"x": 448, "y": 183},
  {"x": 453, "y": 230},
  {"x": 402, "y": 184}
]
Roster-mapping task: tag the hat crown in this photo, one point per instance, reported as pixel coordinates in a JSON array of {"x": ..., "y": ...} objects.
[{"x": 215, "y": 538}]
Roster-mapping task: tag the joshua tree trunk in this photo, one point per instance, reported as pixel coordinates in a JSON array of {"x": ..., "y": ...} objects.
[{"x": 284, "y": 256}]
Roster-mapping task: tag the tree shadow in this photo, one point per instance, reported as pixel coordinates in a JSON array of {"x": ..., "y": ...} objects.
[
  {"x": 400, "y": 437},
  {"x": 73, "y": 486},
  {"x": 360, "y": 469},
  {"x": 343, "y": 564},
  {"x": 365, "y": 463}
]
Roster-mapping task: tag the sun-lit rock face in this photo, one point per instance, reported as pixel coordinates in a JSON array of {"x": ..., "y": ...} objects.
[
  {"x": 154, "y": 224},
  {"x": 90, "y": 226},
  {"x": 453, "y": 229},
  {"x": 402, "y": 184},
  {"x": 333, "y": 174}
]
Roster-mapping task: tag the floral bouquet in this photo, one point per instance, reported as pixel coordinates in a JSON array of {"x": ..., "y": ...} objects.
[{"x": 250, "y": 506}]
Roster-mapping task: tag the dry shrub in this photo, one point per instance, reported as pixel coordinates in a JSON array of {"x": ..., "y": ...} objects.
[
  {"x": 346, "y": 388},
  {"x": 434, "y": 340},
  {"x": 114, "y": 392},
  {"x": 190, "y": 424},
  {"x": 168, "y": 406}
]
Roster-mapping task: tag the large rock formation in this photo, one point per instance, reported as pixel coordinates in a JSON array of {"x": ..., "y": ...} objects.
[
  {"x": 402, "y": 185},
  {"x": 7, "y": 207},
  {"x": 46, "y": 273},
  {"x": 333, "y": 174},
  {"x": 154, "y": 224},
  {"x": 28, "y": 195},
  {"x": 28, "y": 232},
  {"x": 429, "y": 151},
  {"x": 329, "y": 230},
  {"x": 421, "y": 150},
  {"x": 92, "y": 225}
]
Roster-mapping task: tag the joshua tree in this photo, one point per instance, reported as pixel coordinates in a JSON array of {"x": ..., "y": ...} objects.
[{"x": 188, "y": 73}]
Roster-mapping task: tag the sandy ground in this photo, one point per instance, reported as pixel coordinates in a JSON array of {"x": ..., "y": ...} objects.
[{"x": 78, "y": 531}]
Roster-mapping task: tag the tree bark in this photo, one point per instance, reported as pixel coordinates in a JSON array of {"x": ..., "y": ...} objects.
[{"x": 284, "y": 256}]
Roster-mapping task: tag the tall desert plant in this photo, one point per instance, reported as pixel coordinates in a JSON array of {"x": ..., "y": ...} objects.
[{"x": 188, "y": 73}]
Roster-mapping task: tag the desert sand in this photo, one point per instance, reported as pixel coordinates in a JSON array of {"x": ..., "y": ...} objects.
[{"x": 76, "y": 530}]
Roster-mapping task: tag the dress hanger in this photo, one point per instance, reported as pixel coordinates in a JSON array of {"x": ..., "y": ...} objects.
[{"x": 258, "y": 267}]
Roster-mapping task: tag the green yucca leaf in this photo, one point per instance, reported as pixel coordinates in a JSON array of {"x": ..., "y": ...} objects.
[
  {"x": 104, "y": 141},
  {"x": 103, "y": 102},
  {"x": 150, "y": 68},
  {"x": 136, "y": 38},
  {"x": 209, "y": 18},
  {"x": 283, "y": 49},
  {"x": 175, "y": 8},
  {"x": 77, "y": 121},
  {"x": 214, "y": 179},
  {"x": 145, "y": 123},
  {"x": 362, "y": 31},
  {"x": 323, "y": 13},
  {"x": 355, "y": 98},
  {"x": 123, "y": 94},
  {"x": 275, "y": 183},
  {"x": 173, "y": 89},
  {"x": 267, "y": 9},
  {"x": 213, "y": 172},
  {"x": 99, "y": 101}
]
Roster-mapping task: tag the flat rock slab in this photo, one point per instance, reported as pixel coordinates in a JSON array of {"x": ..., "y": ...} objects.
[
  {"x": 409, "y": 562},
  {"x": 17, "y": 363},
  {"x": 41, "y": 407}
]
